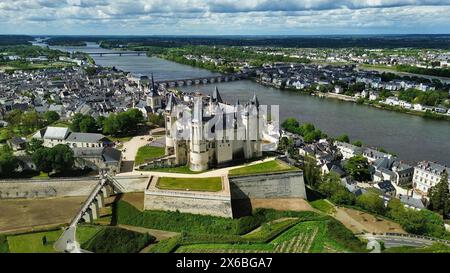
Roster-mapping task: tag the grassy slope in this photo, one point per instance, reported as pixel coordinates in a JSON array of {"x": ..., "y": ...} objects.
[
  {"x": 147, "y": 153},
  {"x": 266, "y": 167},
  {"x": 181, "y": 169},
  {"x": 32, "y": 242},
  {"x": 194, "y": 184}
]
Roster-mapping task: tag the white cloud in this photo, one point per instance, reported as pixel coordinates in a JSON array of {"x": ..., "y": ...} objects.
[{"x": 224, "y": 16}]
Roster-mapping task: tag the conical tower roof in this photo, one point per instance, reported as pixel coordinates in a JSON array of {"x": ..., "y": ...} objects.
[
  {"x": 153, "y": 89},
  {"x": 171, "y": 102},
  {"x": 216, "y": 96}
]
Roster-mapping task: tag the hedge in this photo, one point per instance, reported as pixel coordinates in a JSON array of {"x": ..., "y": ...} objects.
[{"x": 117, "y": 240}]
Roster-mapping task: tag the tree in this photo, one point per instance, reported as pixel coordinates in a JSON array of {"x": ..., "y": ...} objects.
[
  {"x": 357, "y": 143},
  {"x": 335, "y": 191},
  {"x": 59, "y": 159},
  {"x": 122, "y": 123},
  {"x": 33, "y": 145},
  {"x": 88, "y": 125},
  {"x": 371, "y": 202},
  {"x": 156, "y": 119},
  {"x": 358, "y": 168},
  {"x": 76, "y": 120},
  {"x": 31, "y": 121},
  {"x": 110, "y": 126},
  {"x": 311, "y": 172},
  {"x": 343, "y": 138},
  {"x": 439, "y": 196},
  {"x": 51, "y": 117},
  {"x": 8, "y": 162},
  {"x": 42, "y": 160},
  {"x": 62, "y": 158}
]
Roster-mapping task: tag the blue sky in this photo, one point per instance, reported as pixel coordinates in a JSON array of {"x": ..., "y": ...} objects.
[{"x": 218, "y": 17}]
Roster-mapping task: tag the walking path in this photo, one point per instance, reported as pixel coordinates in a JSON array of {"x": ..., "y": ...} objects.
[{"x": 213, "y": 173}]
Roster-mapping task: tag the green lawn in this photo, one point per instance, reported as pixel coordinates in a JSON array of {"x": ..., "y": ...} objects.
[
  {"x": 85, "y": 233},
  {"x": 146, "y": 153},
  {"x": 33, "y": 243},
  {"x": 41, "y": 175},
  {"x": 181, "y": 169},
  {"x": 193, "y": 184},
  {"x": 323, "y": 206},
  {"x": 272, "y": 166}
]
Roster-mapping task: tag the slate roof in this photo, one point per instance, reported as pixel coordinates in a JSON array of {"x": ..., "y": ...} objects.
[
  {"x": 410, "y": 201},
  {"x": 386, "y": 186},
  {"x": 56, "y": 133},
  {"x": 85, "y": 137}
]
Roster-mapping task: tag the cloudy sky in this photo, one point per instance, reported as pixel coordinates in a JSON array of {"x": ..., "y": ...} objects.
[{"x": 212, "y": 17}]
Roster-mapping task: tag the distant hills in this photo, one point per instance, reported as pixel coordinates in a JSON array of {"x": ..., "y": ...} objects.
[{"x": 438, "y": 41}]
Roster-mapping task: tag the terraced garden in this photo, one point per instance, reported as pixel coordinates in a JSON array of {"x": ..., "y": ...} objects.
[{"x": 305, "y": 237}]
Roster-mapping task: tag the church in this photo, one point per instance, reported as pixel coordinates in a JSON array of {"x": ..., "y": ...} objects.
[{"x": 209, "y": 134}]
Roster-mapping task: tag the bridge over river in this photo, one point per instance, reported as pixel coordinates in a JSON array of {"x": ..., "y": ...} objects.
[
  {"x": 118, "y": 53},
  {"x": 202, "y": 80}
]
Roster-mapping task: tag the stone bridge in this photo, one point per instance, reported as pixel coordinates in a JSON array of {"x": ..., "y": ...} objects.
[
  {"x": 119, "y": 53},
  {"x": 202, "y": 80},
  {"x": 88, "y": 212}
]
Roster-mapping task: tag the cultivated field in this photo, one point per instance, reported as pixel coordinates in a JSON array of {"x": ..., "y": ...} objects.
[
  {"x": 305, "y": 237},
  {"x": 24, "y": 214}
]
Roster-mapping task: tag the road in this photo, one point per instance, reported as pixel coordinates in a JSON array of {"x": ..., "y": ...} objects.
[{"x": 396, "y": 241}]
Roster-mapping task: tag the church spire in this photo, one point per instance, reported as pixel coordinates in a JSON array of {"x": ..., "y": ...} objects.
[
  {"x": 216, "y": 96},
  {"x": 153, "y": 89}
]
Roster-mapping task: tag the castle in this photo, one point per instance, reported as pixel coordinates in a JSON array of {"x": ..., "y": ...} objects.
[{"x": 212, "y": 134}]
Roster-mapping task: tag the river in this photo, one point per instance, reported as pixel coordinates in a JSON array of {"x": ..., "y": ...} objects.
[{"x": 412, "y": 138}]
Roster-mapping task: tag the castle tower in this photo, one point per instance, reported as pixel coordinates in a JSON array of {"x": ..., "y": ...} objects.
[
  {"x": 252, "y": 147},
  {"x": 199, "y": 155},
  {"x": 153, "y": 97},
  {"x": 170, "y": 119}
]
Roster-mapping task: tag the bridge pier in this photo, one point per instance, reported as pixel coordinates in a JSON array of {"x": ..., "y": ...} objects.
[
  {"x": 87, "y": 216},
  {"x": 100, "y": 200},
  {"x": 94, "y": 209}
]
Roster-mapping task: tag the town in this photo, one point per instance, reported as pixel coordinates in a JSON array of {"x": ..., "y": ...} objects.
[{"x": 71, "y": 128}]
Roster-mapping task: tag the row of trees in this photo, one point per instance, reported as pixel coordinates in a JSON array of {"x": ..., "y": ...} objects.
[
  {"x": 121, "y": 124},
  {"x": 306, "y": 130},
  {"x": 24, "y": 123},
  {"x": 431, "y": 98},
  {"x": 58, "y": 159}
]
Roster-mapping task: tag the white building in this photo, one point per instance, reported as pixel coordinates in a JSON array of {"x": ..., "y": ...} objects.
[
  {"x": 427, "y": 174},
  {"x": 52, "y": 136},
  {"x": 348, "y": 150}
]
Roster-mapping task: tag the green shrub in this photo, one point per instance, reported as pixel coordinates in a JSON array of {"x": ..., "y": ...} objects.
[
  {"x": 166, "y": 246},
  {"x": 117, "y": 240},
  {"x": 339, "y": 233},
  {"x": 4, "y": 248},
  {"x": 201, "y": 224}
]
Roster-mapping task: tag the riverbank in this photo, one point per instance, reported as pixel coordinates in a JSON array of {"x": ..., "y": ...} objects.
[{"x": 341, "y": 97}]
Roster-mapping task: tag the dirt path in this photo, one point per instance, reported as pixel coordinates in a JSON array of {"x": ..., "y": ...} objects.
[{"x": 358, "y": 221}]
